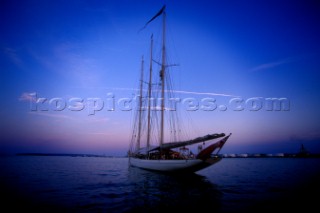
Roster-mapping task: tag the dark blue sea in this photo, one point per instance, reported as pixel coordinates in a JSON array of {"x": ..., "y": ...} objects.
[{"x": 100, "y": 184}]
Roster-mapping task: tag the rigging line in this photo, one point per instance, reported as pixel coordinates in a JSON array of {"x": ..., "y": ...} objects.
[
  {"x": 155, "y": 120},
  {"x": 133, "y": 148},
  {"x": 172, "y": 115},
  {"x": 173, "y": 49},
  {"x": 167, "y": 65}
]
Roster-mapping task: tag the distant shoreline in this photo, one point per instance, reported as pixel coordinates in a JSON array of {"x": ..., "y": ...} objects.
[
  {"x": 69, "y": 155},
  {"x": 278, "y": 155}
]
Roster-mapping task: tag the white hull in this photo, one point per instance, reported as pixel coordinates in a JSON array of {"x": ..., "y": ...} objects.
[{"x": 189, "y": 165}]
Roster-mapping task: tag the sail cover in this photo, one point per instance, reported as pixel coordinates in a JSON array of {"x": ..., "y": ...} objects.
[{"x": 189, "y": 142}]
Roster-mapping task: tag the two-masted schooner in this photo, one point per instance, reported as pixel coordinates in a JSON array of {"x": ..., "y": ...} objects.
[{"x": 148, "y": 148}]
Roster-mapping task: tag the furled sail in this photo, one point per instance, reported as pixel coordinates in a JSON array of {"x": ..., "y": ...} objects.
[{"x": 188, "y": 142}]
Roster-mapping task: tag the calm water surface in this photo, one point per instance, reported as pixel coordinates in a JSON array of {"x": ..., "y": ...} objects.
[{"x": 97, "y": 184}]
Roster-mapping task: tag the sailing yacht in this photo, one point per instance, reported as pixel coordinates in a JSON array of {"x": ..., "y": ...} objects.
[{"x": 149, "y": 148}]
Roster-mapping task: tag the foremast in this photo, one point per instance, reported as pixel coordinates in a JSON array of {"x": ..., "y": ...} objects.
[
  {"x": 140, "y": 106},
  {"x": 149, "y": 95}
]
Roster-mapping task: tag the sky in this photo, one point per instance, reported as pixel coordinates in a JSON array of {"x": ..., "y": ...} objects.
[{"x": 60, "y": 60}]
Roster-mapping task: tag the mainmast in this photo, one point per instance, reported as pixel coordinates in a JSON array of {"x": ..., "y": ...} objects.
[
  {"x": 140, "y": 105},
  {"x": 149, "y": 96},
  {"x": 162, "y": 75}
]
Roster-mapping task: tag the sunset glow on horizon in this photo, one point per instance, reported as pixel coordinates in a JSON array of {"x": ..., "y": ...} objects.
[{"x": 67, "y": 69}]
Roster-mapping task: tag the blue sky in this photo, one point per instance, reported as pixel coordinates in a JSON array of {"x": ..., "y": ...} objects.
[{"x": 251, "y": 50}]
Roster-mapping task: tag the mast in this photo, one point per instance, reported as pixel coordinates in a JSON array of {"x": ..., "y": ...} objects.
[
  {"x": 149, "y": 95},
  {"x": 162, "y": 76},
  {"x": 140, "y": 105}
]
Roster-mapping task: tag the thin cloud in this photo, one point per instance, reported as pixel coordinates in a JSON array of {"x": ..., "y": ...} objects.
[
  {"x": 185, "y": 92},
  {"x": 98, "y": 120},
  {"x": 272, "y": 64},
  {"x": 99, "y": 133},
  {"x": 205, "y": 93},
  {"x": 66, "y": 60},
  {"x": 14, "y": 57},
  {"x": 28, "y": 96},
  {"x": 51, "y": 115}
]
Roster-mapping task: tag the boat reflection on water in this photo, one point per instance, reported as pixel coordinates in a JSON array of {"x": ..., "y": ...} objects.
[{"x": 159, "y": 192}]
